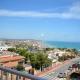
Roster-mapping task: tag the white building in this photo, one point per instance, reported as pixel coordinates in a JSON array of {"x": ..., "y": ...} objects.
[
  {"x": 59, "y": 52},
  {"x": 53, "y": 54},
  {"x": 2, "y": 48}
]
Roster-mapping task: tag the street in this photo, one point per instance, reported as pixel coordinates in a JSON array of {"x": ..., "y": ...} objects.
[{"x": 62, "y": 69}]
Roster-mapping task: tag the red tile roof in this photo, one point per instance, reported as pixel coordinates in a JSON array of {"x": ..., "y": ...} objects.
[
  {"x": 11, "y": 64},
  {"x": 11, "y": 58}
]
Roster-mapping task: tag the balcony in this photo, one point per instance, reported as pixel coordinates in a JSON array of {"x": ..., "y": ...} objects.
[{"x": 10, "y": 74}]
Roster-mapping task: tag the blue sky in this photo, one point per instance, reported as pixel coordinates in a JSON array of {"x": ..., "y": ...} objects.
[{"x": 57, "y": 20}]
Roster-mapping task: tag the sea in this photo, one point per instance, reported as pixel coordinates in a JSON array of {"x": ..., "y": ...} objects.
[{"x": 62, "y": 44}]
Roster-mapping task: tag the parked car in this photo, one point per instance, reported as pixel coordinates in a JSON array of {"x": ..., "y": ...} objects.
[
  {"x": 62, "y": 75},
  {"x": 70, "y": 68}
]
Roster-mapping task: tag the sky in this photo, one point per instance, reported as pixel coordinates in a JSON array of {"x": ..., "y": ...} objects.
[{"x": 56, "y": 20}]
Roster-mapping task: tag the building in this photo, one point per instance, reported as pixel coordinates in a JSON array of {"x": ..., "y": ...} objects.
[
  {"x": 4, "y": 48},
  {"x": 10, "y": 59}
]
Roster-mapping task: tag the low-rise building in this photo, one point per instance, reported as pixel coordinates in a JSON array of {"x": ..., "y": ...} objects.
[
  {"x": 4, "y": 48},
  {"x": 10, "y": 59}
]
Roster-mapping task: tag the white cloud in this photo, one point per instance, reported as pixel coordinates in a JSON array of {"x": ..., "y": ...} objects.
[
  {"x": 27, "y": 14},
  {"x": 73, "y": 12}
]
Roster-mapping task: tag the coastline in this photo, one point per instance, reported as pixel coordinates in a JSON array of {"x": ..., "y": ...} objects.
[{"x": 61, "y": 44}]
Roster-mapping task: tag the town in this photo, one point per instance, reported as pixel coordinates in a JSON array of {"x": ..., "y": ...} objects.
[
  {"x": 39, "y": 39},
  {"x": 32, "y": 57}
]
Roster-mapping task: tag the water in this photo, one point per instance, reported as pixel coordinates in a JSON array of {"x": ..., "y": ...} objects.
[{"x": 60, "y": 44}]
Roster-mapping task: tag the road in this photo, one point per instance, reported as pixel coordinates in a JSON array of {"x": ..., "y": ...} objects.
[{"x": 53, "y": 75}]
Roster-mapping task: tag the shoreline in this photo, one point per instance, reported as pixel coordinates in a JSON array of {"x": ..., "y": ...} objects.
[{"x": 58, "y": 44}]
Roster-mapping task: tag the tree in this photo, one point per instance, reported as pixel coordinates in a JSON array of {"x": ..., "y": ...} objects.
[
  {"x": 21, "y": 51},
  {"x": 33, "y": 59},
  {"x": 48, "y": 49},
  {"x": 12, "y": 49},
  {"x": 48, "y": 62},
  {"x": 75, "y": 51},
  {"x": 62, "y": 58},
  {"x": 20, "y": 67},
  {"x": 37, "y": 66},
  {"x": 39, "y": 60},
  {"x": 26, "y": 55},
  {"x": 42, "y": 59}
]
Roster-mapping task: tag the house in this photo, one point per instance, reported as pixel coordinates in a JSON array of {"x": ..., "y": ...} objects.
[
  {"x": 11, "y": 61},
  {"x": 54, "y": 54}
]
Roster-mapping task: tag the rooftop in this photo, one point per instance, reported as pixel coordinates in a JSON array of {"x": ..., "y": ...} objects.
[{"x": 11, "y": 58}]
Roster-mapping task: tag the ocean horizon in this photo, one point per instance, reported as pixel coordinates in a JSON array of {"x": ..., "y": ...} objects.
[{"x": 62, "y": 44}]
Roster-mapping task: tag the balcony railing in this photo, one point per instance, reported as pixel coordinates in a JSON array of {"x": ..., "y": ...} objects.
[{"x": 11, "y": 74}]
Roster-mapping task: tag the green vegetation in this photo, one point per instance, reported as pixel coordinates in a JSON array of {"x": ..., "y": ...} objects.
[
  {"x": 20, "y": 67},
  {"x": 12, "y": 49},
  {"x": 39, "y": 59},
  {"x": 48, "y": 49},
  {"x": 65, "y": 57}
]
